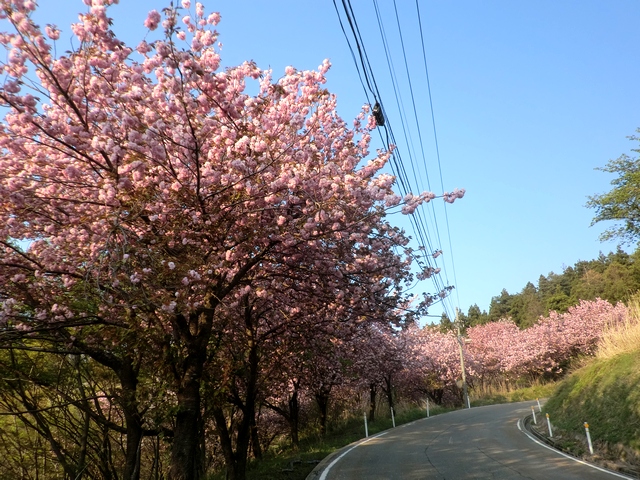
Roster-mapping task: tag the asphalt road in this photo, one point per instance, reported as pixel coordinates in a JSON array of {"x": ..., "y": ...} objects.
[{"x": 477, "y": 443}]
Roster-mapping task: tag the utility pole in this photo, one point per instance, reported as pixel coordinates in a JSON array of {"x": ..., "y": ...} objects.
[{"x": 465, "y": 393}]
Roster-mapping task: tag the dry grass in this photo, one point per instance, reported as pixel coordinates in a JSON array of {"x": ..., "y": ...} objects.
[{"x": 623, "y": 336}]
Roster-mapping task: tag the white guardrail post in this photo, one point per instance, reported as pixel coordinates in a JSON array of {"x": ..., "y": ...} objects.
[
  {"x": 533, "y": 412},
  {"x": 586, "y": 428},
  {"x": 366, "y": 428}
]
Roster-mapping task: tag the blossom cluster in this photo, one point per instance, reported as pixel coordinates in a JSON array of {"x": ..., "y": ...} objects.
[{"x": 500, "y": 351}]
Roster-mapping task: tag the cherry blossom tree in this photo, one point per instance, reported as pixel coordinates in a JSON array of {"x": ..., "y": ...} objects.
[
  {"x": 491, "y": 347},
  {"x": 500, "y": 354},
  {"x": 500, "y": 351},
  {"x": 432, "y": 364},
  {"x": 377, "y": 361},
  {"x": 290, "y": 341},
  {"x": 561, "y": 337},
  {"x": 161, "y": 200}
]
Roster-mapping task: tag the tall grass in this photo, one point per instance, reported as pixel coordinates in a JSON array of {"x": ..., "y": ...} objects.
[
  {"x": 622, "y": 337},
  {"x": 507, "y": 395}
]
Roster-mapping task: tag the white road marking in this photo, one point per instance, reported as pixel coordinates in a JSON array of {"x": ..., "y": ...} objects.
[{"x": 326, "y": 470}]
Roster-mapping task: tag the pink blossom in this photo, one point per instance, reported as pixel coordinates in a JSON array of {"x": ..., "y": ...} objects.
[
  {"x": 213, "y": 18},
  {"x": 188, "y": 170},
  {"x": 451, "y": 197},
  {"x": 153, "y": 19},
  {"x": 52, "y": 32}
]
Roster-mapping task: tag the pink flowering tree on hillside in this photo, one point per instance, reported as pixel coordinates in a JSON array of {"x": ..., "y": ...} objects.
[
  {"x": 491, "y": 347},
  {"x": 433, "y": 365},
  {"x": 562, "y": 337},
  {"x": 501, "y": 353},
  {"x": 158, "y": 196}
]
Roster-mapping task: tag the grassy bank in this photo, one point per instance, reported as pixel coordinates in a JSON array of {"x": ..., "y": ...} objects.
[
  {"x": 605, "y": 393},
  {"x": 519, "y": 395}
]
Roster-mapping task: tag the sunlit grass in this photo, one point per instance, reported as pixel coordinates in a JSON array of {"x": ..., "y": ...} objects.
[
  {"x": 622, "y": 337},
  {"x": 605, "y": 393},
  {"x": 504, "y": 395}
]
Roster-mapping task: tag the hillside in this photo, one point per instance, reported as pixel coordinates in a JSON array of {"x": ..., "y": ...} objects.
[{"x": 605, "y": 393}]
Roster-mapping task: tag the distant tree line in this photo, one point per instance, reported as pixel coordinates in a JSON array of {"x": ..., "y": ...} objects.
[{"x": 614, "y": 277}]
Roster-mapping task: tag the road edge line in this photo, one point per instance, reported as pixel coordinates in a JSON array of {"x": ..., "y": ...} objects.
[{"x": 326, "y": 470}]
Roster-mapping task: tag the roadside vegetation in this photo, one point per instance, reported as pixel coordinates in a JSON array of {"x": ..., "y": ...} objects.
[
  {"x": 605, "y": 393},
  {"x": 538, "y": 391},
  {"x": 287, "y": 463}
]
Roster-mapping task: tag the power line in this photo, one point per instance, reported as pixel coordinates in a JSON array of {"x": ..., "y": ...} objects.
[
  {"x": 369, "y": 84},
  {"x": 437, "y": 147},
  {"x": 353, "y": 55}
]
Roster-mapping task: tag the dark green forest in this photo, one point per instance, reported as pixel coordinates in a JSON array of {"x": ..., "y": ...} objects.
[{"x": 614, "y": 277}]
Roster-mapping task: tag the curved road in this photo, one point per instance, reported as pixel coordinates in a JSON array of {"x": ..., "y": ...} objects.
[{"x": 477, "y": 443}]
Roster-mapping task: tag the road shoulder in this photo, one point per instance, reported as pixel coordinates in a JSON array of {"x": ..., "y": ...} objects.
[{"x": 616, "y": 468}]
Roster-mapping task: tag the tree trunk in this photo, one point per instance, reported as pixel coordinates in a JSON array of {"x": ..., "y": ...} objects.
[
  {"x": 105, "y": 465},
  {"x": 322, "y": 399},
  {"x": 291, "y": 413},
  {"x": 192, "y": 334},
  {"x": 238, "y": 469},
  {"x": 187, "y": 457},
  {"x": 294, "y": 417},
  {"x": 255, "y": 441},
  {"x": 388, "y": 390},
  {"x": 236, "y": 461},
  {"x": 373, "y": 391},
  {"x": 129, "y": 404}
]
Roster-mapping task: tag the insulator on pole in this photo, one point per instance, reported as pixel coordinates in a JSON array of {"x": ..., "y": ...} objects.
[{"x": 377, "y": 115}]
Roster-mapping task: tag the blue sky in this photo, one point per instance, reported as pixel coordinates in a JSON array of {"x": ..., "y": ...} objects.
[{"x": 528, "y": 97}]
